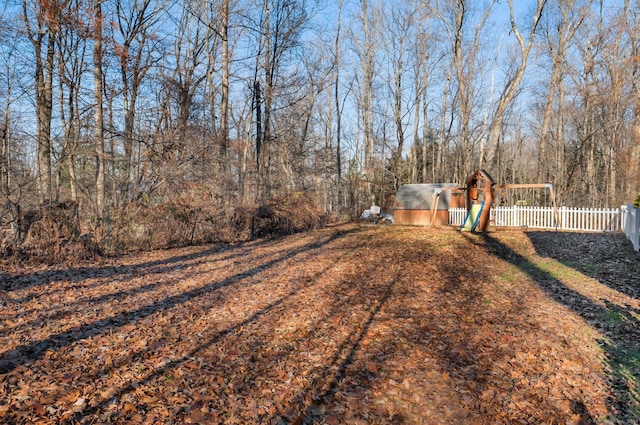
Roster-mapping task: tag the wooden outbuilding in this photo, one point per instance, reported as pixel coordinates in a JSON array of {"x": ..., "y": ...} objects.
[{"x": 414, "y": 203}]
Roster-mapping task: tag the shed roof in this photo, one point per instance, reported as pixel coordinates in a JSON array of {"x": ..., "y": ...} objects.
[{"x": 420, "y": 196}]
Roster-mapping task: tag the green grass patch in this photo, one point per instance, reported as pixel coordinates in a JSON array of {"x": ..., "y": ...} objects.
[{"x": 624, "y": 363}]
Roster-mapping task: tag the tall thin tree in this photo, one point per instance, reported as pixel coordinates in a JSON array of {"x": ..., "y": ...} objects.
[
  {"x": 43, "y": 39},
  {"x": 98, "y": 112},
  {"x": 510, "y": 90}
]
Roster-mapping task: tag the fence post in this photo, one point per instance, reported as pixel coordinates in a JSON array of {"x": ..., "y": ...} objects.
[
  {"x": 631, "y": 224},
  {"x": 636, "y": 227}
]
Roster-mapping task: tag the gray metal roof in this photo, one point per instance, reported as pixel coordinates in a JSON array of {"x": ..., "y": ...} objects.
[{"x": 420, "y": 196}]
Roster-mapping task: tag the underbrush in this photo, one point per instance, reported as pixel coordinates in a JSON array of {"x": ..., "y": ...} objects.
[
  {"x": 56, "y": 234},
  {"x": 51, "y": 234}
]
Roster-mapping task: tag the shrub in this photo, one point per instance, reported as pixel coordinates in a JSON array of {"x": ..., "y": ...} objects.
[
  {"x": 636, "y": 203},
  {"x": 175, "y": 223},
  {"x": 287, "y": 214},
  {"x": 52, "y": 235}
]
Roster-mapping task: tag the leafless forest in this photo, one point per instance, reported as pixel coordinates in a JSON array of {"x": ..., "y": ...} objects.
[{"x": 144, "y": 123}]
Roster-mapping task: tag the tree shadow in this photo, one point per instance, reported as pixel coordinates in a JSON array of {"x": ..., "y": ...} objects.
[
  {"x": 449, "y": 356},
  {"x": 255, "y": 342},
  {"x": 417, "y": 345},
  {"x": 383, "y": 329},
  {"x": 236, "y": 359},
  {"x": 620, "y": 326},
  {"x": 154, "y": 270},
  {"x": 15, "y": 281},
  {"x": 344, "y": 371},
  {"x": 34, "y": 350},
  {"x": 25, "y": 280},
  {"x": 171, "y": 364},
  {"x": 68, "y": 309},
  {"x": 606, "y": 257}
]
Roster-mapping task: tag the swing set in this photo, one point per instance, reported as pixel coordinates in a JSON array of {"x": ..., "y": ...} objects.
[{"x": 519, "y": 194}]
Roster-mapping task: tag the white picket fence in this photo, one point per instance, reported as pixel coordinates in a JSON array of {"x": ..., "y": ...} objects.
[
  {"x": 580, "y": 219},
  {"x": 456, "y": 216},
  {"x": 631, "y": 224}
]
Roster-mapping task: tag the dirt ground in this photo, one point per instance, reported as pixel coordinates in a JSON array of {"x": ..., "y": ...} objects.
[{"x": 353, "y": 324}]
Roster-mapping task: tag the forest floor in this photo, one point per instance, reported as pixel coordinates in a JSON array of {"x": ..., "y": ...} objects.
[{"x": 353, "y": 324}]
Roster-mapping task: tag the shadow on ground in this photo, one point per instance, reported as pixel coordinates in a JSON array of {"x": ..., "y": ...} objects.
[
  {"x": 608, "y": 259},
  {"x": 362, "y": 326}
]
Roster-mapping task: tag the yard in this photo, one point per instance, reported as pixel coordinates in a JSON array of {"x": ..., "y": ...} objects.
[{"x": 353, "y": 324}]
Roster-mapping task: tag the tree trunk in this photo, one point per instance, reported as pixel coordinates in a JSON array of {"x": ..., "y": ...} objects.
[
  {"x": 435, "y": 151},
  {"x": 44, "y": 102},
  {"x": 98, "y": 112},
  {"x": 68, "y": 121},
  {"x": 464, "y": 142},
  {"x": 257, "y": 103},
  {"x": 267, "y": 98},
  {"x": 129, "y": 96},
  {"x": 397, "y": 113},
  {"x": 444, "y": 133},
  {"x": 565, "y": 30},
  {"x": 367, "y": 106},
  {"x": 513, "y": 83},
  {"x": 135, "y": 22},
  {"x": 338, "y": 109},
  {"x": 543, "y": 160},
  {"x": 5, "y": 162},
  {"x": 224, "y": 100}
]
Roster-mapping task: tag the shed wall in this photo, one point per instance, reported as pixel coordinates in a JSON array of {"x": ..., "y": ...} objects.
[{"x": 420, "y": 217}]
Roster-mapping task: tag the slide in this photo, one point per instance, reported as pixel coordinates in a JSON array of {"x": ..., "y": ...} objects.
[{"x": 473, "y": 217}]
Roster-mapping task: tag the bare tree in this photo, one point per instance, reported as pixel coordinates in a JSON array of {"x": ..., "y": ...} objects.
[
  {"x": 8, "y": 82},
  {"x": 281, "y": 26},
  {"x": 42, "y": 24},
  {"x": 399, "y": 31},
  {"x": 559, "y": 29},
  {"x": 134, "y": 47},
  {"x": 71, "y": 69},
  {"x": 186, "y": 77},
  {"x": 456, "y": 16},
  {"x": 632, "y": 28},
  {"x": 98, "y": 114},
  {"x": 16, "y": 167},
  {"x": 424, "y": 68},
  {"x": 512, "y": 84},
  {"x": 224, "y": 98},
  {"x": 367, "y": 62},
  {"x": 338, "y": 105}
]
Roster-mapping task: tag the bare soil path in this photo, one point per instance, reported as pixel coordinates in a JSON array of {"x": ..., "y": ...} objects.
[{"x": 348, "y": 325}]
